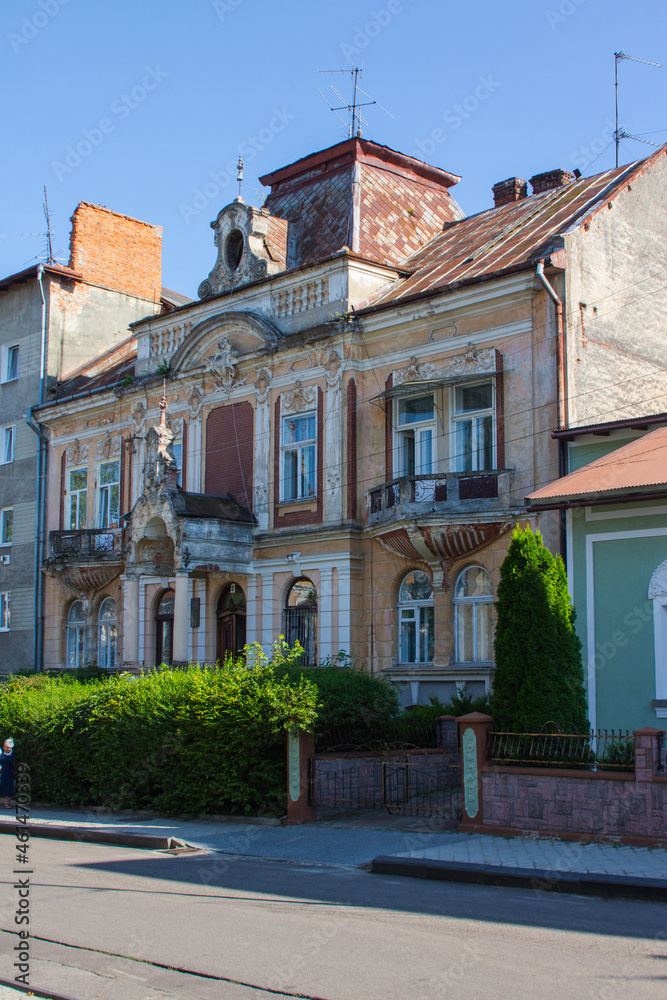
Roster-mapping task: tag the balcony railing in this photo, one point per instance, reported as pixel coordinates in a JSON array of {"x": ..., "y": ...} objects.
[
  {"x": 438, "y": 492},
  {"x": 89, "y": 543}
]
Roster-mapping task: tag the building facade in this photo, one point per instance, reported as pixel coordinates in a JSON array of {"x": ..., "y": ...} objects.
[{"x": 334, "y": 441}]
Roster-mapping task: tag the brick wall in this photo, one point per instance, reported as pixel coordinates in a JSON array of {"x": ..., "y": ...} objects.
[{"x": 116, "y": 251}]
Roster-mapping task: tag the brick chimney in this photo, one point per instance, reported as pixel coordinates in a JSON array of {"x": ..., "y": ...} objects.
[
  {"x": 551, "y": 179},
  {"x": 512, "y": 189},
  {"x": 116, "y": 251}
]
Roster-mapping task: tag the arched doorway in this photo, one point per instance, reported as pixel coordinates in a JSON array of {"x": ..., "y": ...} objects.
[
  {"x": 164, "y": 628},
  {"x": 300, "y": 619},
  {"x": 231, "y": 622}
]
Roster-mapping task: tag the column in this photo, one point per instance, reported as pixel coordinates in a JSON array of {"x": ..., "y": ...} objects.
[
  {"x": 324, "y": 615},
  {"x": 181, "y": 619},
  {"x": 251, "y": 611},
  {"x": 268, "y": 634},
  {"x": 193, "y": 484},
  {"x": 262, "y": 471},
  {"x": 192, "y": 633},
  {"x": 344, "y": 609},
  {"x": 333, "y": 453},
  {"x": 202, "y": 593},
  {"x": 130, "y": 621}
]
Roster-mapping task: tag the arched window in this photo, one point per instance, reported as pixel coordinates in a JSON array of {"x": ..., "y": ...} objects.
[
  {"x": 473, "y": 600},
  {"x": 300, "y": 619},
  {"x": 107, "y": 631},
  {"x": 415, "y": 611},
  {"x": 231, "y": 615},
  {"x": 76, "y": 629},
  {"x": 164, "y": 628}
]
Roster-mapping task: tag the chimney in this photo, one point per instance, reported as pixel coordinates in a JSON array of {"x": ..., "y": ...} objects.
[
  {"x": 551, "y": 179},
  {"x": 512, "y": 189}
]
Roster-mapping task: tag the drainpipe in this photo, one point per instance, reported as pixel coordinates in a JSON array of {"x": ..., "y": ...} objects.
[
  {"x": 41, "y": 489},
  {"x": 560, "y": 346}
]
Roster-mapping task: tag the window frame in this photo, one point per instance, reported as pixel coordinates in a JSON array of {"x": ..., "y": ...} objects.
[
  {"x": 77, "y": 630},
  {"x": 100, "y": 489},
  {"x": 418, "y": 607},
  {"x": 3, "y": 512},
  {"x": 458, "y": 602},
  {"x": 400, "y": 432},
  {"x": 110, "y": 624},
  {"x": 178, "y": 445},
  {"x": 298, "y": 447},
  {"x": 5, "y": 611},
  {"x": 8, "y": 352},
  {"x": 3, "y": 446},
  {"x": 455, "y": 419},
  {"x": 69, "y": 493}
]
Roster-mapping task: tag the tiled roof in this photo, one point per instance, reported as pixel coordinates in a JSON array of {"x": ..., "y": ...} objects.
[
  {"x": 501, "y": 239},
  {"x": 100, "y": 372},
  {"x": 636, "y": 467}
]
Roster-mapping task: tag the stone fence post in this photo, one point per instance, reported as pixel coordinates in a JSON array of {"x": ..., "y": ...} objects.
[
  {"x": 447, "y": 733},
  {"x": 474, "y": 730},
  {"x": 646, "y": 745},
  {"x": 300, "y": 748}
]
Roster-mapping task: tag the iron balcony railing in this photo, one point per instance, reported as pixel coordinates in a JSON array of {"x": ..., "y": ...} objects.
[
  {"x": 438, "y": 490},
  {"x": 87, "y": 543},
  {"x": 598, "y": 750}
]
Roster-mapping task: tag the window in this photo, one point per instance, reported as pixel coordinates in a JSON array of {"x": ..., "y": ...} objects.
[
  {"x": 415, "y": 436},
  {"x": 78, "y": 498},
  {"x": 76, "y": 630},
  {"x": 177, "y": 448},
  {"x": 298, "y": 456},
  {"x": 6, "y": 524},
  {"x": 11, "y": 364},
  {"x": 7, "y": 435},
  {"x": 300, "y": 619},
  {"x": 109, "y": 494},
  {"x": 164, "y": 628},
  {"x": 4, "y": 612},
  {"x": 473, "y": 625},
  {"x": 107, "y": 628},
  {"x": 473, "y": 418},
  {"x": 415, "y": 610}
]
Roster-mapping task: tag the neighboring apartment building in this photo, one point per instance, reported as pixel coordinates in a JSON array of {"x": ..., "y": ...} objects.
[
  {"x": 52, "y": 318},
  {"x": 356, "y": 407}
]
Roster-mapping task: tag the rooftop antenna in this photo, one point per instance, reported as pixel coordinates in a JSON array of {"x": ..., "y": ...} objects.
[
  {"x": 620, "y": 133},
  {"x": 356, "y": 118},
  {"x": 48, "y": 254}
]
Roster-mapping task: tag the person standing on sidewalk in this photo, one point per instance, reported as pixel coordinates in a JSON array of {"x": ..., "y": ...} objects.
[{"x": 7, "y": 771}]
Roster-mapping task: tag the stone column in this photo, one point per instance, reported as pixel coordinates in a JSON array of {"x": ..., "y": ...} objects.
[
  {"x": 193, "y": 484},
  {"x": 333, "y": 452},
  {"x": 130, "y": 621},
  {"x": 181, "y": 619},
  {"x": 324, "y": 615},
  {"x": 300, "y": 808},
  {"x": 474, "y": 729},
  {"x": 262, "y": 466}
]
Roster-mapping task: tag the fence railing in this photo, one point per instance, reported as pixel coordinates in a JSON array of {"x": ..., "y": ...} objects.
[
  {"x": 599, "y": 750},
  {"x": 86, "y": 543},
  {"x": 398, "y": 735}
]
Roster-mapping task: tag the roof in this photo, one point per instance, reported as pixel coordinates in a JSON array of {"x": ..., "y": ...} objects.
[
  {"x": 603, "y": 429},
  {"x": 225, "y": 508},
  {"x": 30, "y": 273},
  {"x": 100, "y": 372},
  {"x": 639, "y": 467},
  {"x": 174, "y": 299},
  {"x": 510, "y": 238}
]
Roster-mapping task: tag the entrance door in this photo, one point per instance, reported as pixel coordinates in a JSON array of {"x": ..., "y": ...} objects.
[
  {"x": 164, "y": 628},
  {"x": 231, "y": 622}
]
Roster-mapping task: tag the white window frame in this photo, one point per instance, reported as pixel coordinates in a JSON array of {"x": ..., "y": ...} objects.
[
  {"x": 110, "y": 642},
  {"x": 459, "y": 602},
  {"x": 417, "y": 428},
  {"x": 101, "y": 489},
  {"x": 7, "y": 355},
  {"x": 75, "y": 634},
  {"x": 69, "y": 493},
  {"x": 177, "y": 446},
  {"x": 7, "y": 429},
  {"x": 4, "y": 611},
  {"x": 3, "y": 513},
  {"x": 456, "y": 460},
  {"x": 297, "y": 447},
  {"x": 417, "y": 609}
]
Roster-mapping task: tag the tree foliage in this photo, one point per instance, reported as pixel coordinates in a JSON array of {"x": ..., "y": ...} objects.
[{"x": 539, "y": 673}]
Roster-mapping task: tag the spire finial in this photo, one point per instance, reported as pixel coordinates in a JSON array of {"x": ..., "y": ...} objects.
[
  {"x": 239, "y": 176},
  {"x": 163, "y": 402}
]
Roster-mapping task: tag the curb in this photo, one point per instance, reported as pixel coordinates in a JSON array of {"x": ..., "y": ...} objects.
[
  {"x": 90, "y": 835},
  {"x": 33, "y": 991},
  {"x": 538, "y": 879}
]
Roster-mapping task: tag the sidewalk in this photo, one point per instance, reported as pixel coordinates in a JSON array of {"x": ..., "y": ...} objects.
[{"x": 387, "y": 844}]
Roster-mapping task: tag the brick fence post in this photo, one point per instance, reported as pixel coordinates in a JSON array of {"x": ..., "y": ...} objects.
[
  {"x": 474, "y": 729},
  {"x": 447, "y": 733},
  {"x": 300, "y": 748},
  {"x": 645, "y": 745}
]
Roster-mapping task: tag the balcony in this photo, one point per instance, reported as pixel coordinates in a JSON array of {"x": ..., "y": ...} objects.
[
  {"x": 440, "y": 493},
  {"x": 87, "y": 545}
]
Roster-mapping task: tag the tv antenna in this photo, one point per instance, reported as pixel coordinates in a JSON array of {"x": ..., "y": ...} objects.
[
  {"x": 356, "y": 118},
  {"x": 48, "y": 254},
  {"x": 620, "y": 133}
]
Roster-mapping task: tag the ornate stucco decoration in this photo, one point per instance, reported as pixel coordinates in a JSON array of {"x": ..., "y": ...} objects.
[
  {"x": 414, "y": 372},
  {"x": 195, "y": 401},
  {"x": 263, "y": 384},
  {"x": 251, "y": 245},
  {"x": 77, "y": 453},
  {"x": 473, "y": 362},
  {"x": 222, "y": 366},
  {"x": 85, "y": 581},
  {"x": 160, "y": 464},
  {"x": 139, "y": 416},
  {"x": 333, "y": 368},
  {"x": 299, "y": 398},
  {"x": 658, "y": 585},
  {"x": 109, "y": 446}
]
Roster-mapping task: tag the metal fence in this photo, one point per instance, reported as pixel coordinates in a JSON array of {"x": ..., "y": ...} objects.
[
  {"x": 396, "y": 735},
  {"x": 599, "y": 750},
  {"x": 300, "y": 625}
]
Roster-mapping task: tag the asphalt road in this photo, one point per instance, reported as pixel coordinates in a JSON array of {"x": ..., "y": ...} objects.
[{"x": 121, "y": 924}]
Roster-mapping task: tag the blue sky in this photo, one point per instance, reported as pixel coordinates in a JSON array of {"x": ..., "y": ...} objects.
[{"x": 158, "y": 99}]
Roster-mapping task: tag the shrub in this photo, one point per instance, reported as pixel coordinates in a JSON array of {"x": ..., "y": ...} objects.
[{"x": 458, "y": 705}]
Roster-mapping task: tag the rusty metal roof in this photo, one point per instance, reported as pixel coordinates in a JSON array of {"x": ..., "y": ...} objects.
[
  {"x": 511, "y": 237},
  {"x": 638, "y": 466}
]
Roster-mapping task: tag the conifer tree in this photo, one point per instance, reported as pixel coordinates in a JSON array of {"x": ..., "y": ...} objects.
[{"x": 539, "y": 679}]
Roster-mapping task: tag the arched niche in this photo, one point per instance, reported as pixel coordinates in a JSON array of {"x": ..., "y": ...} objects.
[{"x": 246, "y": 332}]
